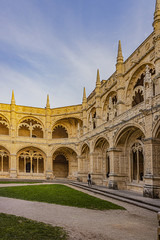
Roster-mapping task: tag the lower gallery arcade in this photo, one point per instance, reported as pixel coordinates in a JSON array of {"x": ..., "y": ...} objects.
[{"x": 123, "y": 163}]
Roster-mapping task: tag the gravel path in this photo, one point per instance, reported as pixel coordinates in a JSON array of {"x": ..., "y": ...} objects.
[{"x": 84, "y": 224}]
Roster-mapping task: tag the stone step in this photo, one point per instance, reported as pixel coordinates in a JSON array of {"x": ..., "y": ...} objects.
[{"x": 149, "y": 206}]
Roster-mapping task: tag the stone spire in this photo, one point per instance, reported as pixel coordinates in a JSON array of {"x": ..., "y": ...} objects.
[
  {"x": 98, "y": 82},
  {"x": 157, "y": 15},
  {"x": 119, "y": 55},
  {"x": 84, "y": 95},
  {"x": 157, "y": 5},
  {"x": 47, "y": 104},
  {"x": 13, "y": 98}
]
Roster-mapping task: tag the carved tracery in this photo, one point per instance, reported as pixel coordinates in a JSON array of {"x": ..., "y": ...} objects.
[
  {"x": 4, "y": 126},
  {"x": 31, "y": 161},
  {"x": 4, "y": 161},
  {"x": 30, "y": 128},
  {"x": 59, "y": 132}
]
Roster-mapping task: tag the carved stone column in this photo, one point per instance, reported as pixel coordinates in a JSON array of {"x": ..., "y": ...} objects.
[{"x": 152, "y": 168}]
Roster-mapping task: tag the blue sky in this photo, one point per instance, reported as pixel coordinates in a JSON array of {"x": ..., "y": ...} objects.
[{"x": 55, "y": 46}]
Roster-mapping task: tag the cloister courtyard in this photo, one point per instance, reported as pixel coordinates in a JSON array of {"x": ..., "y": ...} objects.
[{"x": 128, "y": 222}]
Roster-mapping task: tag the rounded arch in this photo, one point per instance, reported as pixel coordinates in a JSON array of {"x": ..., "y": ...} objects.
[
  {"x": 92, "y": 118},
  {"x": 84, "y": 147},
  {"x": 59, "y": 131},
  {"x": 71, "y": 124},
  {"x": 4, "y": 159},
  {"x": 140, "y": 69},
  {"x": 101, "y": 141},
  {"x": 65, "y": 163},
  {"x": 30, "y": 127},
  {"x": 134, "y": 94},
  {"x": 31, "y": 160},
  {"x": 156, "y": 130},
  {"x": 110, "y": 105},
  {"x": 33, "y": 148},
  {"x": 126, "y": 131},
  {"x": 31, "y": 118},
  {"x": 106, "y": 101},
  {"x": 3, "y": 148},
  {"x": 4, "y": 125},
  {"x": 69, "y": 149},
  {"x": 4, "y": 118}
]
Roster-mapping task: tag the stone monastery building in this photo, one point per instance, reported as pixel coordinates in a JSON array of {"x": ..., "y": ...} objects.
[{"x": 114, "y": 134}]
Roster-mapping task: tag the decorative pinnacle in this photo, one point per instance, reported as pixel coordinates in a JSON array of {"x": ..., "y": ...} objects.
[
  {"x": 84, "y": 95},
  {"x": 157, "y": 5},
  {"x": 156, "y": 13},
  {"x": 47, "y": 104},
  {"x": 13, "y": 98},
  {"x": 98, "y": 82},
  {"x": 119, "y": 55}
]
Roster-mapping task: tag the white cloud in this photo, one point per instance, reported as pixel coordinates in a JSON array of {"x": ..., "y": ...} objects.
[{"x": 54, "y": 65}]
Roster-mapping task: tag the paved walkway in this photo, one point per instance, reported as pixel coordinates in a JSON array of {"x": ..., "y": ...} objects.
[
  {"x": 84, "y": 224},
  {"x": 124, "y": 195}
]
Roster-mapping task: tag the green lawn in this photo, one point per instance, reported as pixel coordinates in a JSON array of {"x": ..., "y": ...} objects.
[
  {"x": 18, "y": 228},
  {"x": 57, "y": 194}
]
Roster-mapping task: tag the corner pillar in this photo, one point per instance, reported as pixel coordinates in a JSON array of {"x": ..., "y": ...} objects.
[{"x": 151, "y": 188}]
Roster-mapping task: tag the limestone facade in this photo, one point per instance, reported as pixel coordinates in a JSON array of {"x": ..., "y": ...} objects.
[{"x": 114, "y": 134}]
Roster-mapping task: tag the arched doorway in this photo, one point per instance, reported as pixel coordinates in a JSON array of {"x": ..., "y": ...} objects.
[
  {"x": 137, "y": 164},
  {"x": 65, "y": 163},
  {"x": 60, "y": 164},
  {"x": 129, "y": 142}
]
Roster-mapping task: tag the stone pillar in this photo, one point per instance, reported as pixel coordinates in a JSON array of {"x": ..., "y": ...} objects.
[
  {"x": 151, "y": 168},
  {"x": 49, "y": 167},
  {"x": 96, "y": 173},
  {"x": 114, "y": 168},
  {"x": 13, "y": 166},
  {"x": 116, "y": 179}
]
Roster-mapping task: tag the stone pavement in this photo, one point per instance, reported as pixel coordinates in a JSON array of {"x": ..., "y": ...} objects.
[
  {"x": 131, "y": 197},
  {"x": 84, "y": 224}
]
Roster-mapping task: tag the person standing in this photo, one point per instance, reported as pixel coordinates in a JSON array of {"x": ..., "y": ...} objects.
[{"x": 89, "y": 180}]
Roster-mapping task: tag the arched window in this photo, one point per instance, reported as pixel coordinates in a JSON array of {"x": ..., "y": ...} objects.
[
  {"x": 31, "y": 161},
  {"x": 137, "y": 98},
  {"x": 30, "y": 128},
  {"x": 4, "y": 160},
  {"x": 59, "y": 132},
  {"x": 92, "y": 118},
  {"x": 4, "y": 126},
  {"x": 137, "y": 162}
]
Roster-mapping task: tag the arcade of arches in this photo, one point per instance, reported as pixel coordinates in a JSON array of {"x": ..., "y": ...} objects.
[{"x": 114, "y": 134}]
